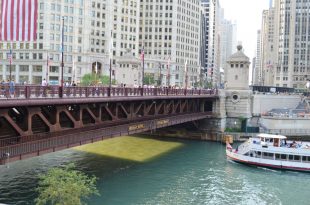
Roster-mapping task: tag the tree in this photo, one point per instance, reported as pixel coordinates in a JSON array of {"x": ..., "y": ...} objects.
[
  {"x": 65, "y": 186},
  {"x": 148, "y": 79},
  {"x": 93, "y": 79}
]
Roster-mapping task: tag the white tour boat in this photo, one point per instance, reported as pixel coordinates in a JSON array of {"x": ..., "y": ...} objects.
[{"x": 272, "y": 151}]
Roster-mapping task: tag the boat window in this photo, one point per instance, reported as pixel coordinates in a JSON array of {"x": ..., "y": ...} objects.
[
  {"x": 304, "y": 158},
  {"x": 267, "y": 155},
  {"x": 277, "y": 156},
  {"x": 290, "y": 157},
  {"x": 308, "y": 158},
  {"x": 297, "y": 158},
  {"x": 259, "y": 153},
  {"x": 283, "y": 156}
]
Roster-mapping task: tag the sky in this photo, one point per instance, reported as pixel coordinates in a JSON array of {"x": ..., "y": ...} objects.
[{"x": 248, "y": 16}]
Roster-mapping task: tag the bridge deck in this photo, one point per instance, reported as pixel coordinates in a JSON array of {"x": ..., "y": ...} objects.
[{"x": 40, "y": 119}]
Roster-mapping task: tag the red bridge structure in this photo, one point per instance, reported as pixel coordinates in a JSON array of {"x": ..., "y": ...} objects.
[{"x": 35, "y": 120}]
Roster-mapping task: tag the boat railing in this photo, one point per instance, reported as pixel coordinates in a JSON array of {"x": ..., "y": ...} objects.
[{"x": 244, "y": 147}]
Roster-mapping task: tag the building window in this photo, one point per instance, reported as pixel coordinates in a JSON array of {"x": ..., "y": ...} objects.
[{"x": 37, "y": 68}]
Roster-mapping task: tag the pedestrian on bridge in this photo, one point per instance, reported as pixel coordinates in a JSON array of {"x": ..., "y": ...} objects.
[
  {"x": 12, "y": 88},
  {"x": 3, "y": 88}
]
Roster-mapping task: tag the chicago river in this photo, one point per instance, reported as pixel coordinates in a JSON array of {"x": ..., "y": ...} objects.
[{"x": 145, "y": 170}]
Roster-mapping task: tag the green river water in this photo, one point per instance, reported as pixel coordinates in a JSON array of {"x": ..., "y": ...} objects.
[{"x": 150, "y": 171}]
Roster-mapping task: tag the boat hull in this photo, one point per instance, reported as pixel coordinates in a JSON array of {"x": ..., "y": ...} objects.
[{"x": 272, "y": 164}]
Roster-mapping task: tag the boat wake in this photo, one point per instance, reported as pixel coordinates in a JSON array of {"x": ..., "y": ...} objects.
[{"x": 270, "y": 170}]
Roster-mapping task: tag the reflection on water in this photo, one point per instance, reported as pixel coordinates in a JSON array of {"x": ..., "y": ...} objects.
[{"x": 188, "y": 172}]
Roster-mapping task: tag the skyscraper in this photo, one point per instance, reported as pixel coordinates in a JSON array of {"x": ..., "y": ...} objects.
[
  {"x": 212, "y": 16},
  {"x": 170, "y": 31},
  {"x": 292, "y": 43}
]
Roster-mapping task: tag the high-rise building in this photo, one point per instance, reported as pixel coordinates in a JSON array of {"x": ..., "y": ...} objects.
[
  {"x": 170, "y": 36},
  {"x": 211, "y": 9},
  {"x": 268, "y": 52},
  {"x": 31, "y": 59},
  {"x": 292, "y": 43},
  {"x": 228, "y": 40},
  {"x": 96, "y": 31},
  {"x": 258, "y": 71}
]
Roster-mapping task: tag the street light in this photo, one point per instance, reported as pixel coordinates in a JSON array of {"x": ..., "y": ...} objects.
[
  {"x": 62, "y": 59},
  {"x": 168, "y": 72},
  {"x": 186, "y": 77},
  {"x": 110, "y": 71},
  {"x": 159, "y": 79},
  {"x": 142, "y": 55}
]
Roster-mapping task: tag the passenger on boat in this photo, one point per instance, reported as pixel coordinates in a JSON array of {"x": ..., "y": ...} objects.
[
  {"x": 283, "y": 143},
  {"x": 294, "y": 144}
]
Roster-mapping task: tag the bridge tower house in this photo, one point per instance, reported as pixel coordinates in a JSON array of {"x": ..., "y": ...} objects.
[{"x": 238, "y": 93}]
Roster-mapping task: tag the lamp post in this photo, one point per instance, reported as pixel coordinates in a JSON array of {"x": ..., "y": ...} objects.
[
  {"x": 186, "y": 77},
  {"x": 142, "y": 66},
  {"x": 11, "y": 58},
  {"x": 168, "y": 70},
  {"x": 110, "y": 68},
  {"x": 142, "y": 56},
  {"x": 62, "y": 59},
  {"x": 159, "y": 79}
]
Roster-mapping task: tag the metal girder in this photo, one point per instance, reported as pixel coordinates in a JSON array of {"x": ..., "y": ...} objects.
[{"x": 24, "y": 124}]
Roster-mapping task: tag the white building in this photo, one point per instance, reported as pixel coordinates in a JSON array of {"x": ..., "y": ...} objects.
[
  {"x": 212, "y": 16},
  {"x": 168, "y": 31},
  {"x": 170, "y": 36},
  {"x": 258, "y": 70},
  {"x": 268, "y": 51},
  {"x": 291, "y": 36},
  {"x": 30, "y": 58},
  {"x": 228, "y": 39}
]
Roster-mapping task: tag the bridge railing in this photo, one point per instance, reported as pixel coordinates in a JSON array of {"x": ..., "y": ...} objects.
[{"x": 36, "y": 92}]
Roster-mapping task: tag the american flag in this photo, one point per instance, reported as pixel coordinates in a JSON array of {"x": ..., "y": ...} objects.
[
  {"x": 169, "y": 59},
  {"x": 18, "y": 20},
  {"x": 142, "y": 54},
  {"x": 269, "y": 64}
]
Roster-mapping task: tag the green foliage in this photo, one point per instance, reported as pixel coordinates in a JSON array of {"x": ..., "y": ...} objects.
[
  {"x": 93, "y": 79},
  {"x": 198, "y": 84},
  {"x": 65, "y": 186},
  {"x": 148, "y": 79},
  {"x": 208, "y": 84},
  {"x": 232, "y": 129},
  {"x": 241, "y": 119}
]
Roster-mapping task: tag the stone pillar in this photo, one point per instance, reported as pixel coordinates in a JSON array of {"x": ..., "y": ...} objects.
[{"x": 219, "y": 106}]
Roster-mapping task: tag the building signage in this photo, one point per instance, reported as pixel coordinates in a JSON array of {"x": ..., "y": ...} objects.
[
  {"x": 162, "y": 122},
  {"x": 136, "y": 127}
]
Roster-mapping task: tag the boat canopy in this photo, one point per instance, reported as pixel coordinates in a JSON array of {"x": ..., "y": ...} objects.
[{"x": 271, "y": 136}]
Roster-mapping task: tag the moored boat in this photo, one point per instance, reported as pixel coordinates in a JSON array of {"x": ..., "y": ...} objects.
[{"x": 272, "y": 151}]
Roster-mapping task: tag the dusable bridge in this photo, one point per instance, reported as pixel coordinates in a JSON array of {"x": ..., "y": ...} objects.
[{"x": 35, "y": 120}]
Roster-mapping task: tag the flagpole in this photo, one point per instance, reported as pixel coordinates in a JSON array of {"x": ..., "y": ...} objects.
[
  {"x": 143, "y": 67},
  {"x": 168, "y": 83},
  {"x": 96, "y": 73},
  {"x": 47, "y": 67},
  {"x": 11, "y": 54},
  {"x": 62, "y": 57},
  {"x": 186, "y": 77},
  {"x": 110, "y": 68}
]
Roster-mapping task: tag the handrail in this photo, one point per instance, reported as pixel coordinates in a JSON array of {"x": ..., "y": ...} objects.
[{"x": 48, "y": 92}]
